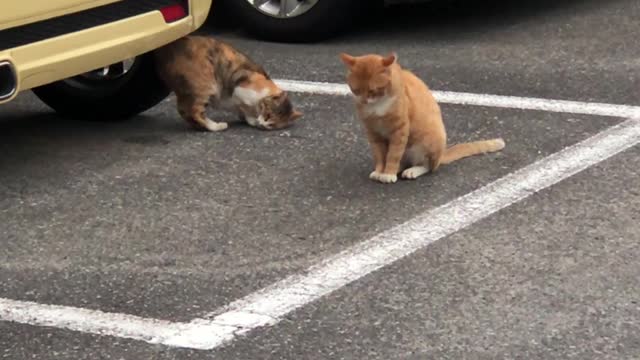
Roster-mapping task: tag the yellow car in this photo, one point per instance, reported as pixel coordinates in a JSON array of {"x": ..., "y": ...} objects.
[{"x": 91, "y": 58}]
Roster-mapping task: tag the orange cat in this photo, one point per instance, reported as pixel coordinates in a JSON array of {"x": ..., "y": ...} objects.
[
  {"x": 203, "y": 71},
  {"x": 402, "y": 120}
]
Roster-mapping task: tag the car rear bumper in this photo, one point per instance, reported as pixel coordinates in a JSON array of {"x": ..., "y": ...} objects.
[{"x": 81, "y": 42}]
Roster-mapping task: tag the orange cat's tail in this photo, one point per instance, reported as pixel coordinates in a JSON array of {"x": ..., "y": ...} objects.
[{"x": 460, "y": 151}]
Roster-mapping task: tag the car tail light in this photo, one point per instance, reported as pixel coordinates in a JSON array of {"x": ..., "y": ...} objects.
[{"x": 175, "y": 12}]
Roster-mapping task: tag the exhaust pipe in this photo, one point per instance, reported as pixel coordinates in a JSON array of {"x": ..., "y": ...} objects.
[{"x": 8, "y": 81}]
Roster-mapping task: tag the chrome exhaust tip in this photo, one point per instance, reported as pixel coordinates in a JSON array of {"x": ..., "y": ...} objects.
[{"x": 8, "y": 80}]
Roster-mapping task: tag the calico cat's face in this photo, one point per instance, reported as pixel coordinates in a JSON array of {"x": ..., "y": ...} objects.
[
  {"x": 276, "y": 112},
  {"x": 369, "y": 76}
]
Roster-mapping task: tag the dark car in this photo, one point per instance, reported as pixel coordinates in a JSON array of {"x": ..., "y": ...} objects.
[{"x": 297, "y": 20}]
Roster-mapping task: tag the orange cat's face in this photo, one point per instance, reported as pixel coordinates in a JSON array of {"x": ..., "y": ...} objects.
[{"x": 369, "y": 76}]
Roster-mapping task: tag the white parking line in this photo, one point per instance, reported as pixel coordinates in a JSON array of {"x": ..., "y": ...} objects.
[
  {"x": 269, "y": 305},
  {"x": 462, "y": 98},
  {"x": 103, "y": 323}
]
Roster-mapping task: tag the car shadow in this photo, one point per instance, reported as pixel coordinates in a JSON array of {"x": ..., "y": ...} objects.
[
  {"x": 34, "y": 138},
  {"x": 37, "y": 139}
]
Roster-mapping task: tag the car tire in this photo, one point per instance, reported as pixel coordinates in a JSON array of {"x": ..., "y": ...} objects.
[
  {"x": 107, "y": 99},
  {"x": 324, "y": 20}
]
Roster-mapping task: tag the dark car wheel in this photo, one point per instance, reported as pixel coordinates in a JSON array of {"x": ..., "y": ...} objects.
[
  {"x": 295, "y": 20},
  {"x": 116, "y": 92}
]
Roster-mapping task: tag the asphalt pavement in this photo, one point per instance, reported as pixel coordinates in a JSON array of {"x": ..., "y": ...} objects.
[{"x": 149, "y": 218}]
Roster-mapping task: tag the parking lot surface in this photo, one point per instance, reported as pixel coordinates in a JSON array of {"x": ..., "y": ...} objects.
[{"x": 148, "y": 218}]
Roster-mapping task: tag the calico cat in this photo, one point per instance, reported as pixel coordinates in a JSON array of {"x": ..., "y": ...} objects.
[
  {"x": 402, "y": 120},
  {"x": 203, "y": 71}
]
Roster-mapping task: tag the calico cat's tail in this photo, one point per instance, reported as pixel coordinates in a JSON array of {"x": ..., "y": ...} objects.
[{"x": 460, "y": 151}]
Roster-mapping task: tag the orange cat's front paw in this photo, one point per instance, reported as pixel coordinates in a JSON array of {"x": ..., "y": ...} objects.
[{"x": 383, "y": 178}]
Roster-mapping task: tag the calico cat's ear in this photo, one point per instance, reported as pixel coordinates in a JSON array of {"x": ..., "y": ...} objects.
[
  {"x": 276, "y": 99},
  {"x": 348, "y": 59},
  {"x": 389, "y": 59},
  {"x": 295, "y": 115}
]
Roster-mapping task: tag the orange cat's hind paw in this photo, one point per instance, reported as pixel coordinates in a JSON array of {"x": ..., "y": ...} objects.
[{"x": 414, "y": 172}]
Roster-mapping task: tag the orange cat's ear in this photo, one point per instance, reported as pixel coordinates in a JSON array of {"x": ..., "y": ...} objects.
[
  {"x": 389, "y": 59},
  {"x": 348, "y": 59}
]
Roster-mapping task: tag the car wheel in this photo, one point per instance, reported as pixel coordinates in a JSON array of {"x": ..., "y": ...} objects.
[
  {"x": 116, "y": 92},
  {"x": 295, "y": 20}
]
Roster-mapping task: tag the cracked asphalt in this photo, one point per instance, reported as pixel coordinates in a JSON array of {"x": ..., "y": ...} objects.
[{"x": 149, "y": 218}]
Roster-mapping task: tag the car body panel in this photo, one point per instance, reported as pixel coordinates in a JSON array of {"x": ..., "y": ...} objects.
[
  {"x": 67, "y": 55},
  {"x": 19, "y": 12}
]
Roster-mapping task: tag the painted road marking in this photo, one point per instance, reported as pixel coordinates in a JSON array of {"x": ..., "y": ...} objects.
[
  {"x": 268, "y": 306},
  {"x": 500, "y": 101}
]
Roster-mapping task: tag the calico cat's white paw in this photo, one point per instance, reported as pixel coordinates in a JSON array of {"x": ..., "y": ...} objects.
[
  {"x": 414, "y": 172},
  {"x": 384, "y": 178},
  {"x": 216, "y": 126}
]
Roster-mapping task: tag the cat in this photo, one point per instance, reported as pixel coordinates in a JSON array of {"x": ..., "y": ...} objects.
[
  {"x": 204, "y": 71},
  {"x": 402, "y": 120}
]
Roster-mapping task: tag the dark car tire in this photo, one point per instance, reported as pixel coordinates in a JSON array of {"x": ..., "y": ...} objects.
[
  {"x": 137, "y": 90},
  {"x": 326, "y": 19}
]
